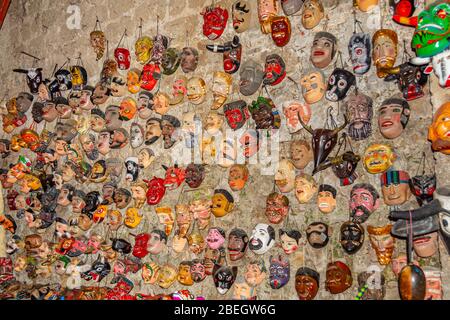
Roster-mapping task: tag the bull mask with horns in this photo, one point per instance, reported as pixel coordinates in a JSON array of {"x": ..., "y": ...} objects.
[
  {"x": 410, "y": 78},
  {"x": 232, "y": 51},
  {"x": 323, "y": 142}
]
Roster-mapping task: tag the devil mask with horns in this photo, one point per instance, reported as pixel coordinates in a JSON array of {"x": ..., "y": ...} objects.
[
  {"x": 410, "y": 78},
  {"x": 232, "y": 51}
]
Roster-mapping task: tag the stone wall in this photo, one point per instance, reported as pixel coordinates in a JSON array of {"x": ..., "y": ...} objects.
[{"x": 39, "y": 27}]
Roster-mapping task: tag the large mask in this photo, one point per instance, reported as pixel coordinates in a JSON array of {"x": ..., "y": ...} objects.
[
  {"x": 277, "y": 207},
  {"x": 251, "y": 77},
  {"x": 359, "y": 110},
  {"x": 423, "y": 187},
  {"x": 236, "y": 113},
  {"x": 359, "y": 49},
  {"x": 240, "y": 12},
  {"x": 410, "y": 79},
  {"x": 395, "y": 187},
  {"x": 301, "y": 153},
  {"x": 323, "y": 49},
  {"x": 352, "y": 237},
  {"x": 224, "y": 277},
  {"x": 281, "y": 30},
  {"x": 214, "y": 21},
  {"x": 384, "y": 54},
  {"x": 275, "y": 70},
  {"x": 267, "y": 10},
  {"x": 364, "y": 200},
  {"x": 339, "y": 277},
  {"x": 143, "y": 49},
  {"x": 312, "y": 13},
  {"x": 232, "y": 51},
  {"x": 237, "y": 244},
  {"x": 285, "y": 176},
  {"x": 318, "y": 234},
  {"x": 151, "y": 73},
  {"x": 439, "y": 130},
  {"x": 326, "y": 198},
  {"x": 306, "y": 283},
  {"x": 221, "y": 88},
  {"x": 292, "y": 110},
  {"x": 262, "y": 239},
  {"x": 265, "y": 114},
  {"x": 196, "y": 90},
  {"x": 279, "y": 271},
  {"x": 339, "y": 83},
  {"x": 313, "y": 86},
  {"x": 305, "y": 188},
  {"x": 222, "y": 203},
  {"x": 378, "y": 158},
  {"x": 382, "y": 242}
]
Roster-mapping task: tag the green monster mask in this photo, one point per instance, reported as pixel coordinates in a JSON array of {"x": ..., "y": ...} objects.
[{"x": 432, "y": 35}]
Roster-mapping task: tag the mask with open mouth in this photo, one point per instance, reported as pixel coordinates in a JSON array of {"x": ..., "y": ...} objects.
[
  {"x": 364, "y": 200},
  {"x": 267, "y": 10},
  {"x": 275, "y": 70},
  {"x": 237, "y": 244},
  {"x": 214, "y": 21},
  {"x": 312, "y": 13},
  {"x": 215, "y": 238},
  {"x": 277, "y": 207},
  {"x": 251, "y": 76},
  {"x": 323, "y": 49},
  {"x": 281, "y": 30},
  {"x": 326, "y": 198},
  {"x": 378, "y": 158},
  {"x": 307, "y": 283}
]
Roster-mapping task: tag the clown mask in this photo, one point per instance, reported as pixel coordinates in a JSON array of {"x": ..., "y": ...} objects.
[
  {"x": 262, "y": 239},
  {"x": 215, "y": 238}
]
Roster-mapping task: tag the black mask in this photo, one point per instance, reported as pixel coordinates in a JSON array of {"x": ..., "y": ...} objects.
[
  {"x": 99, "y": 270},
  {"x": 352, "y": 237},
  {"x": 423, "y": 188},
  {"x": 317, "y": 235},
  {"x": 345, "y": 169},
  {"x": 34, "y": 78},
  {"x": 92, "y": 201},
  {"x": 339, "y": 83},
  {"x": 224, "y": 277},
  {"x": 195, "y": 174},
  {"x": 410, "y": 78},
  {"x": 121, "y": 246}
]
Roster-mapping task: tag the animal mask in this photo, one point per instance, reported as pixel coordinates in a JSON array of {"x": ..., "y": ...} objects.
[
  {"x": 339, "y": 83},
  {"x": 224, "y": 277},
  {"x": 34, "y": 78},
  {"x": 411, "y": 80}
]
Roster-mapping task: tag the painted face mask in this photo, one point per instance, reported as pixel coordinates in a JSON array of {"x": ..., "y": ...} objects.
[
  {"x": 167, "y": 276},
  {"x": 156, "y": 190},
  {"x": 79, "y": 77},
  {"x": 232, "y": 51},
  {"x": 364, "y": 200},
  {"x": 382, "y": 242},
  {"x": 99, "y": 269},
  {"x": 98, "y": 43},
  {"x": 274, "y": 70},
  {"x": 236, "y": 114},
  {"x": 133, "y": 80},
  {"x": 440, "y": 66},
  {"x": 402, "y": 8},
  {"x": 237, "y": 177},
  {"x": 131, "y": 164},
  {"x": 433, "y": 283},
  {"x": 439, "y": 130},
  {"x": 423, "y": 187},
  {"x": 277, "y": 207},
  {"x": 312, "y": 13},
  {"x": 123, "y": 58},
  {"x": 359, "y": 49},
  {"x": 251, "y": 77},
  {"x": 214, "y": 21},
  {"x": 326, "y": 198},
  {"x": 169, "y": 125},
  {"x": 215, "y": 238},
  {"x": 224, "y": 277},
  {"x": 250, "y": 143},
  {"x": 281, "y": 30},
  {"x": 323, "y": 49},
  {"x": 221, "y": 89},
  {"x": 171, "y": 60},
  {"x": 128, "y": 109},
  {"x": 197, "y": 271},
  {"x": 352, "y": 237},
  {"x": 222, "y": 203},
  {"x": 34, "y": 78},
  {"x": 411, "y": 80},
  {"x": 426, "y": 245},
  {"x": 306, "y": 283},
  {"x": 285, "y": 176},
  {"x": 267, "y": 10},
  {"x": 143, "y": 49},
  {"x": 305, "y": 188},
  {"x": 151, "y": 73},
  {"x": 359, "y": 111},
  {"x": 279, "y": 271},
  {"x": 384, "y": 54},
  {"x": 189, "y": 59},
  {"x": 184, "y": 273},
  {"x": 339, "y": 277},
  {"x": 160, "y": 45},
  {"x": 265, "y": 114},
  {"x": 237, "y": 244},
  {"x": 301, "y": 153},
  {"x": 318, "y": 234},
  {"x": 196, "y": 90},
  {"x": 289, "y": 240},
  {"x": 262, "y": 239},
  {"x": 195, "y": 174},
  {"x": 137, "y": 135},
  {"x": 240, "y": 12},
  {"x": 101, "y": 94},
  {"x": 378, "y": 158},
  {"x": 292, "y": 110},
  {"x": 339, "y": 83},
  {"x": 395, "y": 187},
  {"x": 179, "y": 90}
]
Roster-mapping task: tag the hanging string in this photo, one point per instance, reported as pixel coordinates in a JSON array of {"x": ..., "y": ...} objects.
[
  {"x": 330, "y": 123},
  {"x": 121, "y": 38},
  {"x": 157, "y": 24},
  {"x": 187, "y": 38},
  {"x": 97, "y": 23},
  {"x": 410, "y": 240},
  {"x": 406, "y": 56},
  {"x": 140, "y": 28}
]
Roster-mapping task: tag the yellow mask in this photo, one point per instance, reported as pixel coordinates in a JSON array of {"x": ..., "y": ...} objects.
[{"x": 378, "y": 158}]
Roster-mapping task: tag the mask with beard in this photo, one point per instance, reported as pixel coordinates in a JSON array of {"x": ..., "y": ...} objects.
[
  {"x": 364, "y": 200},
  {"x": 262, "y": 239},
  {"x": 359, "y": 110},
  {"x": 383, "y": 243},
  {"x": 352, "y": 237},
  {"x": 318, "y": 234}
]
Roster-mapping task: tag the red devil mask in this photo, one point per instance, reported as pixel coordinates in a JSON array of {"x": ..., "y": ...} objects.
[
  {"x": 174, "y": 177},
  {"x": 236, "y": 113},
  {"x": 140, "y": 245},
  {"x": 232, "y": 52},
  {"x": 214, "y": 21},
  {"x": 150, "y": 75},
  {"x": 123, "y": 58},
  {"x": 281, "y": 31},
  {"x": 156, "y": 190}
]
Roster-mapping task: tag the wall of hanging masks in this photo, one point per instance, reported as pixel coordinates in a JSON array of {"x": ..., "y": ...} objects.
[{"x": 242, "y": 149}]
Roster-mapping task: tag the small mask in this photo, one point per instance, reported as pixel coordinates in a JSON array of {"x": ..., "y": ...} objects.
[
  {"x": 241, "y": 15},
  {"x": 99, "y": 269},
  {"x": 352, "y": 237},
  {"x": 236, "y": 114},
  {"x": 197, "y": 270},
  {"x": 359, "y": 49},
  {"x": 277, "y": 207},
  {"x": 305, "y": 188},
  {"x": 156, "y": 190},
  {"x": 151, "y": 74},
  {"x": 222, "y": 203},
  {"x": 161, "y": 103},
  {"x": 167, "y": 276},
  {"x": 433, "y": 283},
  {"x": 378, "y": 158},
  {"x": 143, "y": 49},
  {"x": 374, "y": 284},
  {"x": 364, "y": 200},
  {"x": 312, "y": 13},
  {"x": 439, "y": 130},
  {"x": 279, "y": 271},
  {"x": 184, "y": 273},
  {"x": 301, "y": 153},
  {"x": 34, "y": 78},
  {"x": 169, "y": 125},
  {"x": 195, "y": 174},
  {"x": 318, "y": 234},
  {"x": 98, "y": 43},
  {"x": 137, "y": 135},
  {"x": 232, "y": 51},
  {"x": 189, "y": 59},
  {"x": 238, "y": 177},
  {"x": 131, "y": 164},
  {"x": 255, "y": 273},
  {"x": 395, "y": 187},
  {"x": 306, "y": 283},
  {"x": 384, "y": 54},
  {"x": 133, "y": 80},
  {"x": 359, "y": 110},
  {"x": 123, "y": 58},
  {"x": 382, "y": 242},
  {"x": 267, "y": 10},
  {"x": 292, "y": 110},
  {"x": 326, "y": 198},
  {"x": 281, "y": 30},
  {"x": 262, "y": 239},
  {"x": 339, "y": 83},
  {"x": 171, "y": 60},
  {"x": 251, "y": 77},
  {"x": 221, "y": 88},
  {"x": 274, "y": 70},
  {"x": 215, "y": 238},
  {"x": 224, "y": 277},
  {"x": 196, "y": 90},
  {"x": 128, "y": 109},
  {"x": 214, "y": 21},
  {"x": 339, "y": 277},
  {"x": 423, "y": 188},
  {"x": 289, "y": 240},
  {"x": 179, "y": 90}
]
